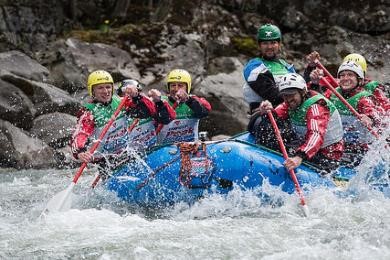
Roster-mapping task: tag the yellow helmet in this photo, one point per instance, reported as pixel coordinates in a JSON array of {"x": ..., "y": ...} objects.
[
  {"x": 98, "y": 77},
  {"x": 179, "y": 75},
  {"x": 357, "y": 58}
]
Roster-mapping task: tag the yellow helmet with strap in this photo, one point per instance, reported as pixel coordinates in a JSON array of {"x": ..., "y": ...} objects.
[
  {"x": 358, "y": 59},
  {"x": 98, "y": 77},
  {"x": 179, "y": 75}
]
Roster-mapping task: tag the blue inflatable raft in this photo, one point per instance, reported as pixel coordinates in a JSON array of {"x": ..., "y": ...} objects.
[{"x": 171, "y": 174}]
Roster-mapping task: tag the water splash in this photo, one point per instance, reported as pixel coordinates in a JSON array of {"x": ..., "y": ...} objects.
[{"x": 373, "y": 172}]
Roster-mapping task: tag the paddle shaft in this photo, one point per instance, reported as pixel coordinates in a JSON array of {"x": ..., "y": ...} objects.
[
  {"x": 101, "y": 136},
  {"x": 327, "y": 73},
  {"x": 285, "y": 155},
  {"x": 342, "y": 99}
]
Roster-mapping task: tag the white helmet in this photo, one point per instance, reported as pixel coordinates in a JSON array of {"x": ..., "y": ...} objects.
[
  {"x": 351, "y": 66},
  {"x": 292, "y": 81}
]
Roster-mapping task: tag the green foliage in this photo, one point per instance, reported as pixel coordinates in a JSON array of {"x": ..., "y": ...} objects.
[
  {"x": 245, "y": 45},
  {"x": 89, "y": 35},
  {"x": 105, "y": 33}
]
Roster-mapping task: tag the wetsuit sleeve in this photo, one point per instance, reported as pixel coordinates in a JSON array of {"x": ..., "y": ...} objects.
[
  {"x": 165, "y": 113},
  {"x": 264, "y": 85},
  {"x": 281, "y": 111},
  {"x": 261, "y": 81},
  {"x": 140, "y": 107},
  {"x": 382, "y": 100},
  {"x": 328, "y": 93},
  {"x": 84, "y": 129},
  {"x": 367, "y": 107},
  {"x": 200, "y": 106},
  {"x": 317, "y": 118}
]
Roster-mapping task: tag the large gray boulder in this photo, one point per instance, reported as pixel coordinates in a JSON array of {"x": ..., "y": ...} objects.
[
  {"x": 21, "y": 151},
  {"x": 95, "y": 56},
  {"x": 23, "y": 66},
  {"x": 181, "y": 51},
  {"x": 224, "y": 92},
  {"x": 15, "y": 106},
  {"x": 29, "y": 25},
  {"x": 71, "y": 61},
  {"x": 55, "y": 129},
  {"x": 46, "y": 98}
]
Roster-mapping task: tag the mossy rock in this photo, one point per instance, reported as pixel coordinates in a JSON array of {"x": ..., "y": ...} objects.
[
  {"x": 245, "y": 45},
  {"x": 90, "y": 36},
  {"x": 141, "y": 35}
]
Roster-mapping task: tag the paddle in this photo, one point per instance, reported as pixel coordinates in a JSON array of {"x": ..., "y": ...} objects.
[
  {"x": 292, "y": 173},
  {"x": 342, "y": 99},
  {"x": 327, "y": 73},
  {"x": 62, "y": 200}
]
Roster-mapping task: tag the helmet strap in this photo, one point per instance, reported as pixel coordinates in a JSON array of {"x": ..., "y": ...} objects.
[
  {"x": 360, "y": 82},
  {"x": 303, "y": 94}
]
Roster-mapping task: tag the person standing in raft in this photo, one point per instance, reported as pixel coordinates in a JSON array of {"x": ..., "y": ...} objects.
[
  {"x": 94, "y": 116},
  {"x": 263, "y": 74},
  {"x": 315, "y": 121},
  {"x": 189, "y": 108}
]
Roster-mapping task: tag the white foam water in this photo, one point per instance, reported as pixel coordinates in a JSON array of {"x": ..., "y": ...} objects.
[{"x": 237, "y": 226}]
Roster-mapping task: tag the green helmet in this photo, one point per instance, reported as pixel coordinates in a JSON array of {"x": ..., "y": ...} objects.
[{"x": 269, "y": 32}]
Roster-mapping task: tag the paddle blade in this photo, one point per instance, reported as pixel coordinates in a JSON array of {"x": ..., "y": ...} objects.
[
  {"x": 305, "y": 209},
  {"x": 62, "y": 201}
]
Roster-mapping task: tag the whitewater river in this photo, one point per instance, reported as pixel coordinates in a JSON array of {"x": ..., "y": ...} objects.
[{"x": 235, "y": 227}]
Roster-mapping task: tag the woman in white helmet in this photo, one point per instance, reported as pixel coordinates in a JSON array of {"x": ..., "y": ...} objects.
[
  {"x": 315, "y": 121},
  {"x": 373, "y": 86},
  {"x": 378, "y": 90},
  {"x": 189, "y": 108},
  {"x": 351, "y": 87}
]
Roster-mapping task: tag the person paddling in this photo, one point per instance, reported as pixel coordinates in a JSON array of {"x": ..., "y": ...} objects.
[
  {"x": 372, "y": 86},
  {"x": 351, "y": 87},
  {"x": 96, "y": 113},
  {"x": 189, "y": 108},
  {"x": 315, "y": 121}
]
